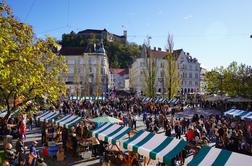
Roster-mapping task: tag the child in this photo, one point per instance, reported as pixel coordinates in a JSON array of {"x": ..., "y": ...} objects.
[{"x": 45, "y": 150}]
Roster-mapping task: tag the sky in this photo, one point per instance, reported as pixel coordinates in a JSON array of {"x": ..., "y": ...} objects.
[{"x": 216, "y": 32}]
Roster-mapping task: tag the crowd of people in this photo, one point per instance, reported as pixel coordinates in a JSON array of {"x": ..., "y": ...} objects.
[{"x": 221, "y": 131}]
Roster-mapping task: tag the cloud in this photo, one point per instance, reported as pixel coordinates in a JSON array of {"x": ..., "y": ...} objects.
[{"x": 188, "y": 17}]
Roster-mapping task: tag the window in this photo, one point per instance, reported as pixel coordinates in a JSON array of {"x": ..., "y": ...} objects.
[
  {"x": 184, "y": 75},
  {"x": 90, "y": 60},
  {"x": 190, "y": 67},
  {"x": 196, "y": 75},
  {"x": 196, "y": 83},
  {"x": 162, "y": 65},
  {"x": 196, "y": 68},
  {"x": 162, "y": 73},
  {"x": 102, "y": 61},
  {"x": 190, "y": 75},
  {"x": 90, "y": 69},
  {"x": 190, "y": 83}
]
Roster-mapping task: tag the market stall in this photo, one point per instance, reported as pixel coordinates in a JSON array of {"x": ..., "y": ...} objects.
[
  {"x": 47, "y": 116},
  {"x": 3, "y": 113},
  {"x": 219, "y": 157},
  {"x": 146, "y": 144},
  {"x": 105, "y": 119},
  {"x": 110, "y": 133},
  {"x": 239, "y": 113},
  {"x": 68, "y": 121}
]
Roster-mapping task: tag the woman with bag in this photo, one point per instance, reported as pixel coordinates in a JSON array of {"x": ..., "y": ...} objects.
[{"x": 33, "y": 156}]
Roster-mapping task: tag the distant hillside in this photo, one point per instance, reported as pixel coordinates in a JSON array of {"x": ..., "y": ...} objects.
[{"x": 120, "y": 55}]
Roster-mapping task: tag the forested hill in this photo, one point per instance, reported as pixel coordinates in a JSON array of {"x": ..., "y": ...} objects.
[{"x": 120, "y": 55}]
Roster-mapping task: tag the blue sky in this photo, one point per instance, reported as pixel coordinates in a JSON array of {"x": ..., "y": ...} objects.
[{"x": 214, "y": 31}]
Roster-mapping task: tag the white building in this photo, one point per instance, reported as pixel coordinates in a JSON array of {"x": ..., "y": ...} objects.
[
  {"x": 189, "y": 69},
  {"x": 136, "y": 73},
  {"x": 83, "y": 70},
  {"x": 119, "y": 79}
]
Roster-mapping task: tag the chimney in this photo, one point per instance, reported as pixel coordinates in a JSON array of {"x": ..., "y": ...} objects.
[
  {"x": 155, "y": 49},
  {"x": 159, "y": 49}
]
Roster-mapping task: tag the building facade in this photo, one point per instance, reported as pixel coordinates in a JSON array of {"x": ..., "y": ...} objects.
[
  {"x": 104, "y": 35},
  {"x": 119, "y": 79},
  {"x": 137, "y": 72},
  {"x": 188, "y": 67},
  {"x": 88, "y": 72}
]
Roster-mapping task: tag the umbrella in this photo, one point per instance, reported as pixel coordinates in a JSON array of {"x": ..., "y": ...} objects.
[{"x": 104, "y": 119}]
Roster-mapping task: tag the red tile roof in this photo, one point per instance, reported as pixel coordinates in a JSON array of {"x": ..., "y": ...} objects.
[
  {"x": 119, "y": 71},
  {"x": 158, "y": 54},
  {"x": 72, "y": 50}
]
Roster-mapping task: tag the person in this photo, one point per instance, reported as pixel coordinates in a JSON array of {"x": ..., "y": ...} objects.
[
  {"x": 43, "y": 133},
  {"x": 30, "y": 122},
  {"x": 20, "y": 149},
  {"x": 177, "y": 129},
  {"x": 134, "y": 121},
  {"x": 64, "y": 135},
  {"x": 41, "y": 162},
  {"x": 22, "y": 128},
  {"x": 74, "y": 144},
  {"x": 6, "y": 163},
  {"x": 168, "y": 130},
  {"x": 10, "y": 154},
  {"x": 60, "y": 154},
  {"x": 33, "y": 155}
]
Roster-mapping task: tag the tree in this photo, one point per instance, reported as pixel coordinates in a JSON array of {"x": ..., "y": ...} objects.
[
  {"x": 171, "y": 74},
  {"x": 77, "y": 85},
  {"x": 28, "y": 68},
  {"x": 86, "y": 75},
  {"x": 98, "y": 80},
  {"x": 233, "y": 80},
  {"x": 150, "y": 72}
]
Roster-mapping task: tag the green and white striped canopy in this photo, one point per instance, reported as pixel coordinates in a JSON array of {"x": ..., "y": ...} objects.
[
  {"x": 110, "y": 133},
  {"x": 219, "y": 157},
  {"x": 68, "y": 121},
  {"x": 47, "y": 116},
  {"x": 155, "y": 146},
  {"x": 3, "y": 113}
]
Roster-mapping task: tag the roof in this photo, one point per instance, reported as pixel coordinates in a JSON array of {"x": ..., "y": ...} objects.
[
  {"x": 72, "y": 50},
  {"x": 93, "y": 31},
  {"x": 119, "y": 71},
  {"x": 158, "y": 54},
  {"x": 176, "y": 53}
]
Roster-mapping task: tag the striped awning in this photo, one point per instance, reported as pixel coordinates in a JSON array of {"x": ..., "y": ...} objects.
[
  {"x": 68, "y": 121},
  {"x": 47, "y": 116},
  {"x": 240, "y": 113},
  {"x": 147, "y": 99},
  {"x": 155, "y": 146},
  {"x": 110, "y": 133},
  {"x": 3, "y": 113},
  {"x": 219, "y": 157}
]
